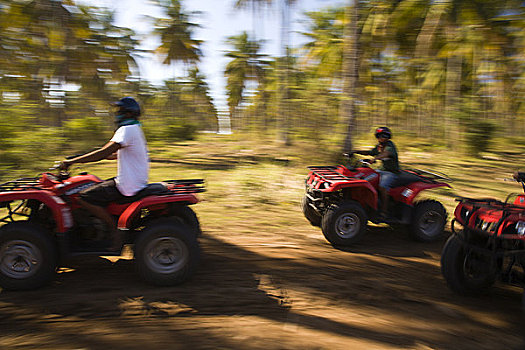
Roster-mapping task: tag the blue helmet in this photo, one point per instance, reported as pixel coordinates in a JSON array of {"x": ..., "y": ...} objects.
[{"x": 128, "y": 104}]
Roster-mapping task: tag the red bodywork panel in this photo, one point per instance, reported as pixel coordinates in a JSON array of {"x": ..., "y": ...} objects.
[
  {"x": 60, "y": 210},
  {"x": 49, "y": 190},
  {"x": 157, "y": 202},
  {"x": 364, "y": 183},
  {"x": 520, "y": 200},
  {"x": 491, "y": 216},
  {"x": 407, "y": 194}
]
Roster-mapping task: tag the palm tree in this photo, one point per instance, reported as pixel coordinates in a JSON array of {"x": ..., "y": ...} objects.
[
  {"x": 52, "y": 43},
  {"x": 348, "y": 108},
  {"x": 324, "y": 51},
  {"x": 201, "y": 101},
  {"x": 283, "y": 69},
  {"x": 176, "y": 34},
  {"x": 453, "y": 32},
  {"x": 246, "y": 65}
]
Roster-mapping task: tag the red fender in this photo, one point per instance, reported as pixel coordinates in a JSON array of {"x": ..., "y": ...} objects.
[
  {"x": 60, "y": 210},
  {"x": 362, "y": 191},
  {"x": 407, "y": 194},
  {"x": 134, "y": 208}
]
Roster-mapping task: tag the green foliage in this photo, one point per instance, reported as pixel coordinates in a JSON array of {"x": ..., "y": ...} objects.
[
  {"x": 157, "y": 130},
  {"x": 85, "y": 133},
  {"x": 7, "y": 143},
  {"x": 479, "y": 135},
  {"x": 179, "y": 132}
]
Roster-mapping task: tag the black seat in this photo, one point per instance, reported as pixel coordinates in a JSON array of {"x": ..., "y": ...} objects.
[
  {"x": 153, "y": 189},
  {"x": 406, "y": 177}
]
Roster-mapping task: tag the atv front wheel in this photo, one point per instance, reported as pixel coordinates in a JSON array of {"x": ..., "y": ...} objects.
[
  {"x": 166, "y": 252},
  {"x": 310, "y": 213},
  {"x": 428, "y": 222},
  {"x": 28, "y": 256},
  {"x": 467, "y": 272},
  {"x": 344, "y": 224}
]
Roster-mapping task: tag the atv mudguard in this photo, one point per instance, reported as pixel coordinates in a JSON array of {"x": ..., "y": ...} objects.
[
  {"x": 407, "y": 194},
  {"x": 126, "y": 218},
  {"x": 60, "y": 210},
  {"x": 360, "y": 190}
]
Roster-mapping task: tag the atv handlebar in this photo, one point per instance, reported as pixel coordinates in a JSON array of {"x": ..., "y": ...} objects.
[{"x": 519, "y": 176}]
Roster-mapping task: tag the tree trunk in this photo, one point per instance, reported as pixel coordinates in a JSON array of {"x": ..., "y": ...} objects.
[
  {"x": 453, "y": 92},
  {"x": 284, "y": 132},
  {"x": 350, "y": 73}
]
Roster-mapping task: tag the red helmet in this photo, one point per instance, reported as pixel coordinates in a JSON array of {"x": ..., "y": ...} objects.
[{"x": 383, "y": 131}]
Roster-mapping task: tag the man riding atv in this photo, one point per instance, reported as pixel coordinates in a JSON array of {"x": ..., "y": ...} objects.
[
  {"x": 128, "y": 146},
  {"x": 386, "y": 152}
]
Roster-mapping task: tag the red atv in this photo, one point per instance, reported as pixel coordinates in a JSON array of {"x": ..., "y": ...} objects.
[
  {"x": 44, "y": 226},
  {"x": 487, "y": 243},
  {"x": 342, "y": 199}
]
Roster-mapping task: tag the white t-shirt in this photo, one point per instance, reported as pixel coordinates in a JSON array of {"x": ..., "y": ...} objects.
[{"x": 133, "y": 161}]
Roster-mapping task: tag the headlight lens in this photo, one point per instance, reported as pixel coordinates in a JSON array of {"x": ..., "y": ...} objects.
[
  {"x": 520, "y": 228},
  {"x": 407, "y": 192}
]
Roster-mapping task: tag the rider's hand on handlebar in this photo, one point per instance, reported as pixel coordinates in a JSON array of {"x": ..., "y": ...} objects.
[
  {"x": 63, "y": 165},
  {"x": 519, "y": 176}
]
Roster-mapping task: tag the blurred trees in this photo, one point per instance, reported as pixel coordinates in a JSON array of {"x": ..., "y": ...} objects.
[
  {"x": 450, "y": 70},
  {"x": 62, "y": 62},
  {"x": 425, "y": 68},
  {"x": 247, "y": 65}
]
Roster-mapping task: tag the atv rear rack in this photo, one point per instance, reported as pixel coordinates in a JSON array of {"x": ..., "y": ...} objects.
[
  {"x": 429, "y": 176},
  {"x": 328, "y": 173},
  {"x": 22, "y": 184},
  {"x": 185, "y": 186}
]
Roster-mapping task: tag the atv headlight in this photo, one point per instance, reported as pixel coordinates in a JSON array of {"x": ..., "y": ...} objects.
[
  {"x": 407, "y": 192},
  {"x": 520, "y": 228}
]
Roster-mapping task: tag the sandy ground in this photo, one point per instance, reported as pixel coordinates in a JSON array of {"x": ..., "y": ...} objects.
[{"x": 269, "y": 289}]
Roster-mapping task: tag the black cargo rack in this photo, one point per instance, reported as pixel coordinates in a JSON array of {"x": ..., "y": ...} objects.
[
  {"x": 429, "y": 176},
  {"x": 186, "y": 186},
  {"x": 22, "y": 184},
  {"x": 328, "y": 173}
]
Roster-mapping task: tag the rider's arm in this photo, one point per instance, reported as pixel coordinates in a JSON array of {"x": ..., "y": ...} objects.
[
  {"x": 112, "y": 156},
  {"x": 383, "y": 155},
  {"x": 99, "y": 154},
  {"x": 365, "y": 153}
]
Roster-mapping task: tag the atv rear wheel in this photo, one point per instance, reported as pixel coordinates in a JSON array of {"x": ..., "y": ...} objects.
[
  {"x": 428, "y": 222},
  {"x": 466, "y": 271},
  {"x": 166, "y": 252},
  {"x": 188, "y": 218},
  {"x": 344, "y": 224},
  {"x": 28, "y": 256},
  {"x": 310, "y": 213}
]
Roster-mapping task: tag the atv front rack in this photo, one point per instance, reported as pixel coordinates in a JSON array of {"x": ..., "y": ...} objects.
[
  {"x": 328, "y": 173},
  {"x": 22, "y": 184},
  {"x": 185, "y": 186},
  {"x": 500, "y": 211},
  {"x": 488, "y": 203}
]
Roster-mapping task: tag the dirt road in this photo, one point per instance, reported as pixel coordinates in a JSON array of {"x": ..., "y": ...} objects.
[{"x": 268, "y": 290}]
